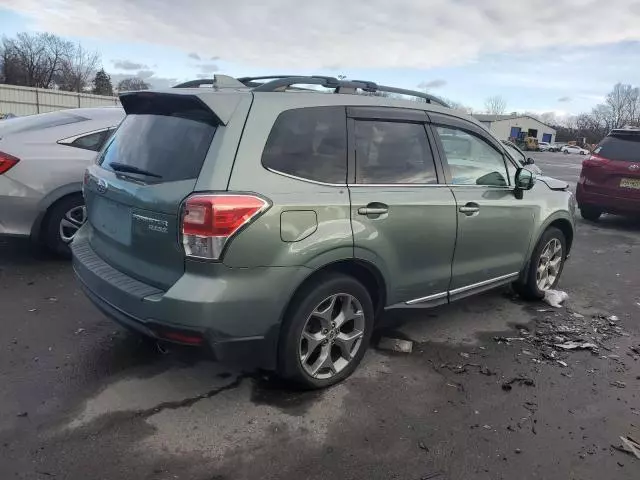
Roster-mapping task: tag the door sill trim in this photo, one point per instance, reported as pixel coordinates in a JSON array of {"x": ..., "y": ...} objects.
[
  {"x": 484, "y": 283},
  {"x": 428, "y": 298},
  {"x": 437, "y": 298}
]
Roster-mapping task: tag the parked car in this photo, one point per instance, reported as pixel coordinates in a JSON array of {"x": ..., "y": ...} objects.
[
  {"x": 519, "y": 156},
  {"x": 610, "y": 177},
  {"x": 42, "y": 162},
  {"x": 574, "y": 149},
  {"x": 545, "y": 147},
  {"x": 238, "y": 219}
]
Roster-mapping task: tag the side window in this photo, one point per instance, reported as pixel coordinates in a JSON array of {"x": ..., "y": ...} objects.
[
  {"x": 393, "y": 152},
  {"x": 472, "y": 161},
  {"x": 92, "y": 141},
  {"x": 309, "y": 143}
]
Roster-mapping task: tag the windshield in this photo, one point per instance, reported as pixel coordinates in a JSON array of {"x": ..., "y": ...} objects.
[
  {"x": 168, "y": 147},
  {"x": 625, "y": 148}
]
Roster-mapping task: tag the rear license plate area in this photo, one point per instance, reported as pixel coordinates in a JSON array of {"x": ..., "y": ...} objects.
[{"x": 111, "y": 219}]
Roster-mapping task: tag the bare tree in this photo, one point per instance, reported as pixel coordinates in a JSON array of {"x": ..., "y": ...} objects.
[
  {"x": 33, "y": 60},
  {"x": 132, "y": 84},
  {"x": 495, "y": 105},
  {"x": 78, "y": 69}
]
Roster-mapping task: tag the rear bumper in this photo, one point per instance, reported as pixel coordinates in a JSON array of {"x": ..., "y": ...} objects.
[
  {"x": 236, "y": 312},
  {"x": 608, "y": 203}
]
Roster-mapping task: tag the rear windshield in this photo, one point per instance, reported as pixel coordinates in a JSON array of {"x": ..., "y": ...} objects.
[
  {"x": 38, "y": 122},
  {"x": 625, "y": 148},
  {"x": 171, "y": 148}
]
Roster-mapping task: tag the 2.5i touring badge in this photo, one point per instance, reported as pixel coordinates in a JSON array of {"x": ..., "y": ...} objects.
[{"x": 153, "y": 224}]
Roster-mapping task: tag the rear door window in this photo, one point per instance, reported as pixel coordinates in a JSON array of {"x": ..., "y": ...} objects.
[
  {"x": 309, "y": 143},
  {"x": 625, "y": 148},
  {"x": 171, "y": 146},
  {"x": 393, "y": 153}
]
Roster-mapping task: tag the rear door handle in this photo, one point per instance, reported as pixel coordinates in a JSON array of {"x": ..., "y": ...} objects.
[
  {"x": 374, "y": 209},
  {"x": 470, "y": 208}
]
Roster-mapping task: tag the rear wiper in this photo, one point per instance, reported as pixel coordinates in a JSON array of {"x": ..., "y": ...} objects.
[{"x": 123, "y": 167}]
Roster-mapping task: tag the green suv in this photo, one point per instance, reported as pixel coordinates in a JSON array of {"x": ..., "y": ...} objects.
[{"x": 273, "y": 223}]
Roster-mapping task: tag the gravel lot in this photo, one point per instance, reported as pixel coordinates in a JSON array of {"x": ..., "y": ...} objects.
[{"x": 82, "y": 399}]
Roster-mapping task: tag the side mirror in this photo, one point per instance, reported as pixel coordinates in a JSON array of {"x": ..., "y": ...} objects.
[
  {"x": 530, "y": 161},
  {"x": 525, "y": 179}
]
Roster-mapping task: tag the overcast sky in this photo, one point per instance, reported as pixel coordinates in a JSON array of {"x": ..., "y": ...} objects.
[{"x": 550, "y": 55}]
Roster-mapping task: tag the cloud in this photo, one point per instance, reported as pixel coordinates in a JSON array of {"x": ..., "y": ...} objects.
[
  {"x": 215, "y": 58},
  {"x": 564, "y": 99},
  {"x": 148, "y": 76},
  {"x": 128, "y": 65},
  {"x": 432, "y": 84},
  {"x": 194, "y": 56},
  {"x": 404, "y": 33},
  {"x": 208, "y": 67}
]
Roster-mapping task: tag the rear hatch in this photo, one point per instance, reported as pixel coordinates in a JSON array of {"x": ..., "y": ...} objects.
[
  {"x": 142, "y": 176},
  {"x": 614, "y": 167}
]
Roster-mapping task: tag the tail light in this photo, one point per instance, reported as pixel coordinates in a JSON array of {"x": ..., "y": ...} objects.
[
  {"x": 7, "y": 162},
  {"x": 210, "y": 221},
  {"x": 594, "y": 160}
]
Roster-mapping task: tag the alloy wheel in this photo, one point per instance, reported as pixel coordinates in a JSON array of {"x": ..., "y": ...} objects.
[
  {"x": 549, "y": 264},
  {"x": 332, "y": 335},
  {"x": 73, "y": 219}
]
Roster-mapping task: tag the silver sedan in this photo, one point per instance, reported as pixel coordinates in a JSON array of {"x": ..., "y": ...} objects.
[{"x": 42, "y": 162}]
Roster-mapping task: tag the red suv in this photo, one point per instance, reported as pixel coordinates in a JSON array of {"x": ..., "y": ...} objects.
[{"x": 610, "y": 177}]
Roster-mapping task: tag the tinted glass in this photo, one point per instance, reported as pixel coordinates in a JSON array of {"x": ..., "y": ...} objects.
[
  {"x": 309, "y": 143},
  {"x": 624, "y": 148},
  {"x": 393, "y": 152},
  {"x": 38, "y": 122},
  {"x": 173, "y": 147},
  {"x": 93, "y": 141},
  {"x": 472, "y": 161}
]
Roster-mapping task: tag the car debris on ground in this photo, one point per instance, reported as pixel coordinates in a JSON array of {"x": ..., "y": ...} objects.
[
  {"x": 629, "y": 445},
  {"x": 396, "y": 345},
  {"x": 555, "y": 297}
]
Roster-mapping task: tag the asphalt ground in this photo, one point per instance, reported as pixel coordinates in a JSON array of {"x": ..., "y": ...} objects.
[{"x": 82, "y": 399}]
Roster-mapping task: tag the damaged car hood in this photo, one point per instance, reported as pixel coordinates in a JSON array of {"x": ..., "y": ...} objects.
[{"x": 553, "y": 183}]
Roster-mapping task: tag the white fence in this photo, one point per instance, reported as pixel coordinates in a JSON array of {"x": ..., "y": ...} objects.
[{"x": 28, "y": 101}]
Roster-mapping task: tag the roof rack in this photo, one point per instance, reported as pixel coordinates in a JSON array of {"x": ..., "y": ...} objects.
[{"x": 279, "y": 83}]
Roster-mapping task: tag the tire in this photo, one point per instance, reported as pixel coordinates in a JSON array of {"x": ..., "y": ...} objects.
[
  {"x": 566, "y": 152},
  {"x": 591, "y": 214},
  {"x": 530, "y": 289},
  {"x": 57, "y": 236},
  {"x": 297, "y": 357}
]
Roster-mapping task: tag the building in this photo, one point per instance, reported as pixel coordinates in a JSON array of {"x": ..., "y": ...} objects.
[{"x": 507, "y": 127}]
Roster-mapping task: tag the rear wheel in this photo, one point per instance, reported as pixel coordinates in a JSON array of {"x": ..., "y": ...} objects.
[
  {"x": 63, "y": 220},
  {"x": 590, "y": 213},
  {"x": 326, "y": 331},
  {"x": 545, "y": 267}
]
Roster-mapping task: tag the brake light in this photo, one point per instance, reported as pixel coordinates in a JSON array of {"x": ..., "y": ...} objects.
[
  {"x": 7, "y": 162},
  {"x": 594, "y": 160},
  {"x": 210, "y": 221}
]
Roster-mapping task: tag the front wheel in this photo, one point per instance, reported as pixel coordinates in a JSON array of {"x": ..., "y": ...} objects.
[
  {"x": 566, "y": 152},
  {"x": 326, "y": 331},
  {"x": 546, "y": 265}
]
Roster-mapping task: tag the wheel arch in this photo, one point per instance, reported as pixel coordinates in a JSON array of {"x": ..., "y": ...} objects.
[
  {"x": 48, "y": 201},
  {"x": 560, "y": 221}
]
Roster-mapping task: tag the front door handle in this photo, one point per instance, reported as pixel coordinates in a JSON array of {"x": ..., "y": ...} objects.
[
  {"x": 470, "y": 208},
  {"x": 374, "y": 209}
]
